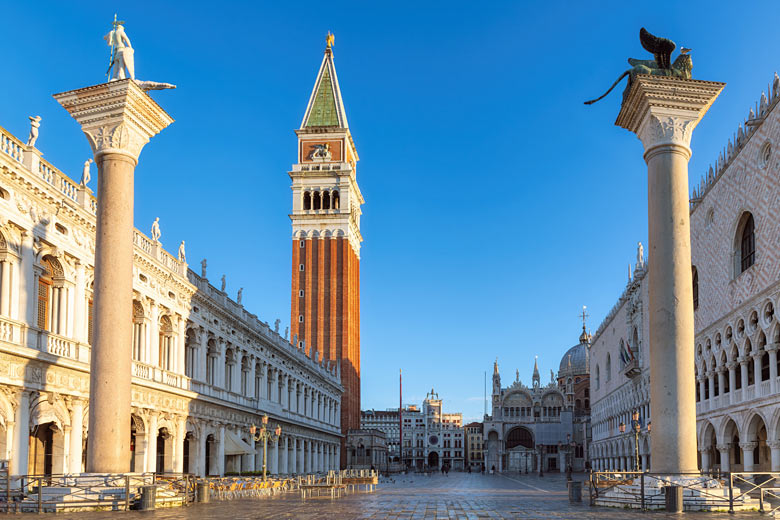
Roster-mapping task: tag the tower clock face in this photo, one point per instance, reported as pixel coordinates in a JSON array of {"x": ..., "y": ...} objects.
[{"x": 433, "y": 439}]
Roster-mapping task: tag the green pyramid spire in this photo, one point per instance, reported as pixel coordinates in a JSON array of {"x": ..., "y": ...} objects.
[{"x": 323, "y": 110}]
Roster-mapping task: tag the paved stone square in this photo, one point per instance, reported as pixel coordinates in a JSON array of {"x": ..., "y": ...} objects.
[{"x": 457, "y": 496}]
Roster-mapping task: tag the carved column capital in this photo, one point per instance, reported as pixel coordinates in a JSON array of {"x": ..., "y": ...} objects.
[
  {"x": 117, "y": 117},
  {"x": 775, "y": 445},
  {"x": 663, "y": 111},
  {"x": 748, "y": 445}
]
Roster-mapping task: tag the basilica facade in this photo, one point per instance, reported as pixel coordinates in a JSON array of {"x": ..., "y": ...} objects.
[
  {"x": 541, "y": 427},
  {"x": 204, "y": 368},
  {"x": 735, "y": 236}
]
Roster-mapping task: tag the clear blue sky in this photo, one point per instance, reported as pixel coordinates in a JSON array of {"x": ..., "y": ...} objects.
[{"x": 497, "y": 204}]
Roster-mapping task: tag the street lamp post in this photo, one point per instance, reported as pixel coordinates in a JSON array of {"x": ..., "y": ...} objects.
[{"x": 264, "y": 435}]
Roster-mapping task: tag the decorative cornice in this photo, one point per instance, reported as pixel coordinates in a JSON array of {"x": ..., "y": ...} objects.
[{"x": 117, "y": 117}]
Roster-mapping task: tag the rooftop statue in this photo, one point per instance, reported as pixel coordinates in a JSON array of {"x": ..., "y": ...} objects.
[{"x": 660, "y": 65}]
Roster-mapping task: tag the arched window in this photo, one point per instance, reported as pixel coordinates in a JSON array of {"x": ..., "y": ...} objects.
[
  {"x": 335, "y": 199},
  {"x": 166, "y": 343},
  {"x": 746, "y": 242},
  {"x": 245, "y": 375},
  {"x": 258, "y": 380},
  {"x": 695, "y": 278},
  {"x": 609, "y": 367},
  {"x": 211, "y": 362},
  {"x": 139, "y": 331},
  {"x": 598, "y": 377},
  {"x": 190, "y": 349},
  {"x": 325, "y": 200},
  {"x": 230, "y": 362},
  {"x": 316, "y": 202},
  {"x": 52, "y": 297},
  {"x": 306, "y": 200}
]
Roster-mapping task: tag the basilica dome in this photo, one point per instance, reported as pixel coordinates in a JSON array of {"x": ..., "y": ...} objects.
[{"x": 576, "y": 360}]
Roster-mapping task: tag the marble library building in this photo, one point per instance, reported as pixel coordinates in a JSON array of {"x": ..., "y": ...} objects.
[{"x": 204, "y": 367}]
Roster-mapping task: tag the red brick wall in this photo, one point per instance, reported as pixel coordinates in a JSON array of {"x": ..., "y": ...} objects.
[{"x": 331, "y": 313}]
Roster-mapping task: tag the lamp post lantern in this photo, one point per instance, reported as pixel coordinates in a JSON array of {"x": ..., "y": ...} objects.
[{"x": 264, "y": 435}]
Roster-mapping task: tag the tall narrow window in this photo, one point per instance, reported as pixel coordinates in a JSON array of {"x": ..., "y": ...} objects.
[
  {"x": 44, "y": 294},
  {"x": 306, "y": 200},
  {"x": 695, "y": 277},
  {"x": 747, "y": 242},
  {"x": 609, "y": 367},
  {"x": 138, "y": 331},
  {"x": 166, "y": 342}
]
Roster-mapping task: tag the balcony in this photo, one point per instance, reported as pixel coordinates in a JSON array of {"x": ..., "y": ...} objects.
[{"x": 632, "y": 369}]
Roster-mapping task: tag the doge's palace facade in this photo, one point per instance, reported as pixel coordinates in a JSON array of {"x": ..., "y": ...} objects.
[{"x": 204, "y": 368}]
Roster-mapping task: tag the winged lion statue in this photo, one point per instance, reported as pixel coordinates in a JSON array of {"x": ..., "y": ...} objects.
[{"x": 661, "y": 65}]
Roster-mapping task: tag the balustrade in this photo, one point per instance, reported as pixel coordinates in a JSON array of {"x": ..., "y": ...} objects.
[
  {"x": 9, "y": 331},
  {"x": 765, "y": 388},
  {"x": 57, "y": 345},
  {"x": 11, "y": 145}
]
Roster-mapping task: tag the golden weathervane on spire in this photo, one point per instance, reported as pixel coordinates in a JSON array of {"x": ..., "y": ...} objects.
[{"x": 329, "y": 39}]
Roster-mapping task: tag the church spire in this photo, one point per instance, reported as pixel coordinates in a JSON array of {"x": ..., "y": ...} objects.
[
  {"x": 536, "y": 373},
  {"x": 325, "y": 108}
]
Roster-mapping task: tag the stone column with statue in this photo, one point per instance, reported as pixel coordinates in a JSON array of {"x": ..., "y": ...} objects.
[
  {"x": 118, "y": 119},
  {"x": 662, "y": 105}
]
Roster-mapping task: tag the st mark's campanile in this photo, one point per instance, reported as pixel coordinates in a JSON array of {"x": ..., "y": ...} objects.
[{"x": 325, "y": 299}]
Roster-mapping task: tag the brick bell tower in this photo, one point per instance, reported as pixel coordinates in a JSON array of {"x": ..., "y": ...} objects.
[{"x": 325, "y": 299}]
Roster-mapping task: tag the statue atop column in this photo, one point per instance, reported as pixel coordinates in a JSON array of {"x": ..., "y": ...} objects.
[
  {"x": 85, "y": 175},
  {"x": 239, "y": 295},
  {"x": 122, "y": 64},
  {"x": 122, "y": 61},
  {"x": 203, "y": 265},
  {"x": 182, "y": 253},
  {"x": 35, "y": 123},
  {"x": 224, "y": 283},
  {"x": 276, "y": 325},
  {"x": 660, "y": 65}
]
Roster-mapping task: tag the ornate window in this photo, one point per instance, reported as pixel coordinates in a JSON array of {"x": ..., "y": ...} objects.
[
  {"x": 746, "y": 243},
  {"x": 211, "y": 362},
  {"x": 190, "y": 349},
  {"x": 139, "y": 331},
  {"x": 245, "y": 375},
  {"x": 166, "y": 344},
  {"x": 609, "y": 367},
  {"x": 52, "y": 298},
  {"x": 230, "y": 362},
  {"x": 258, "y": 380}
]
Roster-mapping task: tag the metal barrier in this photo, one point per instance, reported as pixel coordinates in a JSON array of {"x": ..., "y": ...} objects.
[
  {"x": 52, "y": 493},
  {"x": 719, "y": 489}
]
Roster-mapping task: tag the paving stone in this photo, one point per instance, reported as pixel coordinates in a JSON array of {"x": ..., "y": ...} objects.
[{"x": 458, "y": 496}]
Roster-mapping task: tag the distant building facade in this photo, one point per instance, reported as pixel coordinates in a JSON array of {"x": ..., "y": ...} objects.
[
  {"x": 620, "y": 382},
  {"x": 431, "y": 437},
  {"x": 475, "y": 444},
  {"x": 367, "y": 449}
]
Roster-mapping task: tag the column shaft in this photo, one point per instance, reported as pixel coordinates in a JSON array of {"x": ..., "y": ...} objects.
[
  {"x": 110, "y": 367},
  {"x": 671, "y": 311}
]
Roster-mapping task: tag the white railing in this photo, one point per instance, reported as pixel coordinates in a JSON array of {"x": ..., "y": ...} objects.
[
  {"x": 59, "y": 180},
  {"x": 140, "y": 240},
  {"x": 142, "y": 371},
  {"x": 766, "y": 387},
  {"x": 9, "y": 331},
  {"x": 11, "y": 145},
  {"x": 737, "y": 396},
  {"x": 59, "y": 345},
  {"x": 750, "y": 392}
]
